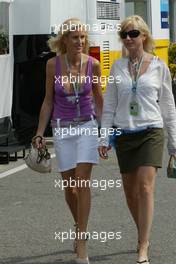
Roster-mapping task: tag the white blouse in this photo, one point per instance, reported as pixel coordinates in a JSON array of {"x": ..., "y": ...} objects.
[{"x": 154, "y": 96}]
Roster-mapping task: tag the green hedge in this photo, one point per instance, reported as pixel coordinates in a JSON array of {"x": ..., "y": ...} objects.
[{"x": 172, "y": 60}]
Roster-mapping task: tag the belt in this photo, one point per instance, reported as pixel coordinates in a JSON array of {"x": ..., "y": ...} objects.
[
  {"x": 136, "y": 131},
  {"x": 74, "y": 122}
]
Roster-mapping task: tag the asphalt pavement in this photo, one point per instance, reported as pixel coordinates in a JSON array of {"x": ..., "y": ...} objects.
[{"x": 34, "y": 215}]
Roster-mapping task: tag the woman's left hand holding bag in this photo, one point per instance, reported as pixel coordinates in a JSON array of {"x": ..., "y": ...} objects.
[
  {"x": 38, "y": 142},
  {"x": 38, "y": 158},
  {"x": 171, "y": 168}
]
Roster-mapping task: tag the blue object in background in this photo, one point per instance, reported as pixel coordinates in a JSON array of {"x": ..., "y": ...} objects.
[{"x": 164, "y": 5}]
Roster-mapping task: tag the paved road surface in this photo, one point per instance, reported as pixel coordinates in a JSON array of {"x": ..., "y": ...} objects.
[{"x": 32, "y": 209}]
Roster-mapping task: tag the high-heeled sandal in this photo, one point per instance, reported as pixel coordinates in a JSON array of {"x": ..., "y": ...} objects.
[
  {"x": 83, "y": 261},
  {"x": 144, "y": 261},
  {"x": 138, "y": 245}
]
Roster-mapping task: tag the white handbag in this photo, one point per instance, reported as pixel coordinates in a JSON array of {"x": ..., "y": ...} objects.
[
  {"x": 38, "y": 159},
  {"x": 171, "y": 169}
]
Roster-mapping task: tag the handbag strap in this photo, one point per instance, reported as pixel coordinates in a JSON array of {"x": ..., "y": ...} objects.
[
  {"x": 43, "y": 154},
  {"x": 170, "y": 159},
  {"x": 35, "y": 137}
]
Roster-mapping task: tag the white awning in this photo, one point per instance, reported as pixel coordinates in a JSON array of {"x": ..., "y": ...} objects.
[
  {"x": 6, "y": 80},
  {"x": 6, "y": 1}
]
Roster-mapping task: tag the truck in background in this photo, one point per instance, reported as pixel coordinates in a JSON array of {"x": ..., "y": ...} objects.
[{"x": 31, "y": 23}]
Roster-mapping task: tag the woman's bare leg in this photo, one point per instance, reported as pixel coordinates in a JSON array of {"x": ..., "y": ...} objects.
[
  {"x": 83, "y": 172},
  {"x": 146, "y": 182},
  {"x": 139, "y": 192},
  {"x": 131, "y": 194},
  {"x": 71, "y": 193}
]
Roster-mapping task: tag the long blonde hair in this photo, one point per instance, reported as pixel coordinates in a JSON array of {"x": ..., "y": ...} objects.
[
  {"x": 140, "y": 24},
  {"x": 57, "y": 44}
]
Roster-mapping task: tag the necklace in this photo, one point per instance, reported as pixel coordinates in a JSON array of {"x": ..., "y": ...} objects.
[
  {"x": 75, "y": 83},
  {"x": 74, "y": 80},
  {"x": 136, "y": 64},
  {"x": 136, "y": 68}
]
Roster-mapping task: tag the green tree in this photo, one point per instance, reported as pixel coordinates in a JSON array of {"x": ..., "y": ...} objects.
[
  {"x": 172, "y": 60},
  {"x": 4, "y": 43}
]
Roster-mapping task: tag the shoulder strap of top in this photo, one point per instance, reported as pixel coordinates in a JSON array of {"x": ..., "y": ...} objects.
[
  {"x": 89, "y": 66},
  {"x": 156, "y": 57}
]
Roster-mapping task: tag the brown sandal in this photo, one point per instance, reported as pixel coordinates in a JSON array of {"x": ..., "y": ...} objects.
[{"x": 144, "y": 261}]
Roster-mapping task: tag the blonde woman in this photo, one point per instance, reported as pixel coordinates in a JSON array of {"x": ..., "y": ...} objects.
[
  {"x": 140, "y": 105},
  {"x": 69, "y": 104}
]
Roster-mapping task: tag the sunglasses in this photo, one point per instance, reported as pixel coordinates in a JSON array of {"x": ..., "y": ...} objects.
[{"x": 132, "y": 34}]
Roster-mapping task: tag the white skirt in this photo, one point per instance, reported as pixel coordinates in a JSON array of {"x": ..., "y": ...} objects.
[{"x": 75, "y": 145}]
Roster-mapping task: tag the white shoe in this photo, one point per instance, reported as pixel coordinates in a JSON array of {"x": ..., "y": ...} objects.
[{"x": 82, "y": 261}]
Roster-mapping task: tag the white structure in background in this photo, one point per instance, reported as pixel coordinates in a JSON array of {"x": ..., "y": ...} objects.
[
  {"x": 6, "y": 61},
  {"x": 30, "y": 17},
  {"x": 172, "y": 17},
  {"x": 42, "y": 16},
  {"x": 38, "y": 16}
]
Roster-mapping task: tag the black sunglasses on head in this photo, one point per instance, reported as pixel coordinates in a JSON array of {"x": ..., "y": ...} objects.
[{"x": 132, "y": 34}]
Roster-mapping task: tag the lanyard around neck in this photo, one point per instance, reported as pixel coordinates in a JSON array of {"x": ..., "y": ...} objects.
[
  {"x": 135, "y": 80},
  {"x": 75, "y": 83}
]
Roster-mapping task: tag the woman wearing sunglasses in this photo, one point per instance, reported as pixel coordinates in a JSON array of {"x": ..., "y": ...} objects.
[{"x": 139, "y": 105}]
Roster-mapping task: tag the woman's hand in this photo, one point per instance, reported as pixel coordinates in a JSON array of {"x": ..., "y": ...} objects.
[
  {"x": 103, "y": 151},
  {"x": 38, "y": 142},
  {"x": 173, "y": 155}
]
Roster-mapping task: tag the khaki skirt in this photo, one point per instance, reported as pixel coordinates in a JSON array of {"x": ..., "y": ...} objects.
[{"x": 144, "y": 148}]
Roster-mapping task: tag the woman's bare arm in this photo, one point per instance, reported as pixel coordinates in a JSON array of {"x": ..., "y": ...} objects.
[
  {"x": 47, "y": 106},
  {"x": 97, "y": 89}
]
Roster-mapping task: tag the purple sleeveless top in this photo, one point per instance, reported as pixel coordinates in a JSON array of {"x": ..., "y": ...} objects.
[{"x": 65, "y": 107}]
